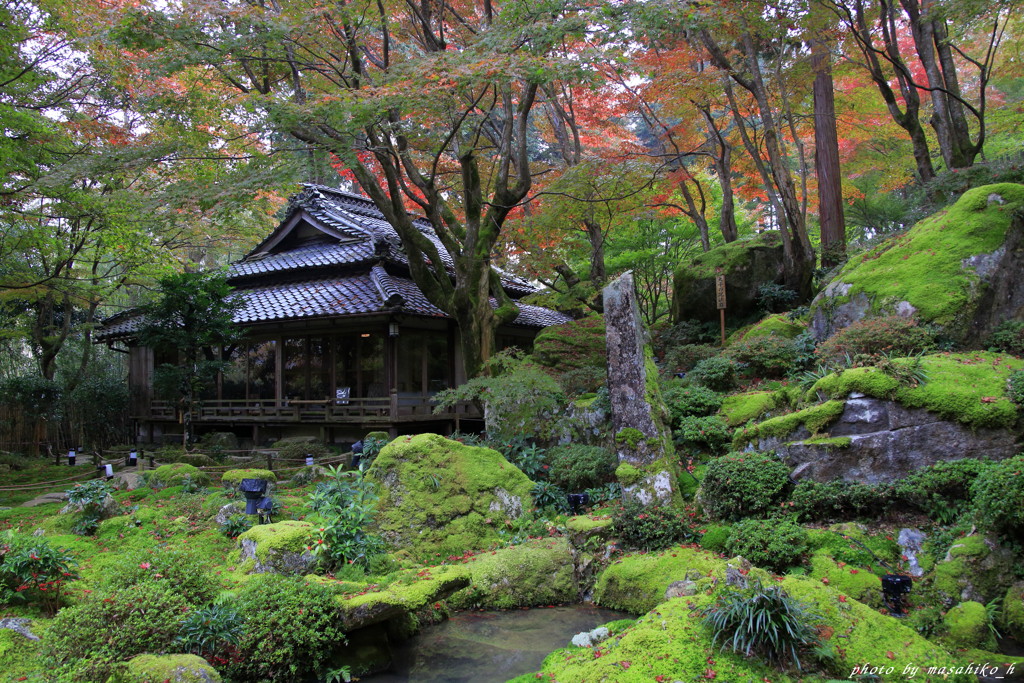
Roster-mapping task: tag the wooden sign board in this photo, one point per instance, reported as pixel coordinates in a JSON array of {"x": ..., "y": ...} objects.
[{"x": 720, "y": 290}]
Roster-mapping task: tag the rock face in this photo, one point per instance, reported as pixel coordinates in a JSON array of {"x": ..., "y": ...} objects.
[
  {"x": 961, "y": 269},
  {"x": 639, "y": 416},
  {"x": 877, "y": 441},
  {"x": 439, "y": 495},
  {"x": 746, "y": 264}
]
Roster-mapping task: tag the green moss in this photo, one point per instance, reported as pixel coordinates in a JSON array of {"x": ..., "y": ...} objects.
[
  {"x": 173, "y": 668},
  {"x": 539, "y": 572},
  {"x": 953, "y": 575},
  {"x": 1011, "y": 618},
  {"x": 779, "y": 325},
  {"x": 20, "y": 656},
  {"x": 636, "y": 583},
  {"x": 280, "y": 537},
  {"x": 966, "y": 625},
  {"x": 854, "y": 581},
  {"x": 670, "y": 644},
  {"x": 176, "y": 473},
  {"x": 412, "y": 590},
  {"x": 969, "y": 388},
  {"x": 925, "y": 265},
  {"x": 715, "y": 537},
  {"x": 585, "y": 524},
  {"x": 380, "y": 436},
  {"x": 739, "y": 409},
  {"x": 235, "y": 477},
  {"x": 627, "y": 474},
  {"x": 724, "y": 258},
  {"x": 815, "y": 419},
  {"x": 828, "y": 442},
  {"x": 630, "y": 436},
  {"x": 439, "y": 497}
]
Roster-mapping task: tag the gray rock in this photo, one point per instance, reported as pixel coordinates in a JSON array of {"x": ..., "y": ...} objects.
[
  {"x": 632, "y": 392},
  {"x": 45, "y": 498},
  {"x": 679, "y": 589},
  {"x": 281, "y": 562},
  {"x": 227, "y": 511},
  {"x": 887, "y": 443},
  {"x": 911, "y": 540},
  {"x": 19, "y": 625}
]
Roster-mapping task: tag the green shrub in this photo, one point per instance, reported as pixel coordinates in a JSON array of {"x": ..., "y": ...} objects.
[
  {"x": 776, "y": 298},
  {"x": 175, "y": 474},
  {"x": 715, "y": 538},
  {"x": 86, "y": 642},
  {"x": 775, "y": 544},
  {"x": 691, "y": 400},
  {"x": 180, "y": 570},
  {"x": 292, "y": 634},
  {"x": 236, "y": 525},
  {"x": 296, "y": 451},
  {"x": 998, "y": 494},
  {"x": 763, "y": 621},
  {"x": 718, "y": 373},
  {"x": 943, "y": 490},
  {"x": 91, "y": 498},
  {"x": 840, "y": 500},
  {"x": 546, "y": 494},
  {"x": 686, "y": 332},
  {"x": 892, "y": 335},
  {"x": 211, "y": 632},
  {"x": 1015, "y": 387},
  {"x": 765, "y": 356},
  {"x": 743, "y": 485},
  {"x": 651, "y": 527},
  {"x": 711, "y": 433},
  {"x": 684, "y": 358},
  {"x": 32, "y": 570},
  {"x": 1008, "y": 337},
  {"x": 346, "y": 503},
  {"x": 576, "y": 467}
]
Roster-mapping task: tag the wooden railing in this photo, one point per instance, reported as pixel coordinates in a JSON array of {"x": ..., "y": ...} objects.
[{"x": 385, "y": 408}]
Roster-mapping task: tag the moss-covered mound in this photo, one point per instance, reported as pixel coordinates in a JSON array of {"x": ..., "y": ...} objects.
[
  {"x": 969, "y": 388},
  {"x": 175, "y": 474},
  {"x": 739, "y": 409},
  {"x": 937, "y": 270},
  {"x": 671, "y": 643},
  {"x": 538, "y": 572},
  {"x": 168, "y": 669},
  {"x": 814, "y": 419},
  {"x": 439, "y": 497},
  {"x": 407, "y": 593},
  {"x": 235, "y": 477},
  {"x": 636, "y": 583},
  {"x": 778, "y": 324}
]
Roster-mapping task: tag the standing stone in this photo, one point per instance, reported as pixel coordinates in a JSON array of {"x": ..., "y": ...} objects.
[{"x": 642, "y": 440}]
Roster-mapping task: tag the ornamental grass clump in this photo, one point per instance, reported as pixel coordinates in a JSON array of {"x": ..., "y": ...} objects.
[{"x": 763, "y": 621}]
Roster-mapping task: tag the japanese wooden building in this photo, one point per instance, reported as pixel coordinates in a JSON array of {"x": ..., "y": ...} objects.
[{"x": 339, "y": 340}]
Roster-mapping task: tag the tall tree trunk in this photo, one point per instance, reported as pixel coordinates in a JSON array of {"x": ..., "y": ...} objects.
[
  {"x": 723, "y": 169},
  {"x": 826, "y": 159}
]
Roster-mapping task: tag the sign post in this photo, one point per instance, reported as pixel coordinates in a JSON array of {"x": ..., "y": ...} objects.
[{"x": 720, "y": 300}]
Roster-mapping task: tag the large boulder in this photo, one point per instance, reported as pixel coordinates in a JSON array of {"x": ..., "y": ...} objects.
[
  {"x": 976, "y": 569},
  {"x": 746, "y": 264},
  {"x": 168, "y": 669},
  {"x": 875, "y": 429},
  {"x": 442, "y": 497},
  {"x": 279, "y": 548},
  {"x": 961, "y": 269},
  {"x": 538, "y": 572}
]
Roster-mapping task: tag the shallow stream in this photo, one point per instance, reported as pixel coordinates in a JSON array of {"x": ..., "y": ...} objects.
[{"x": 486, "y": 647}]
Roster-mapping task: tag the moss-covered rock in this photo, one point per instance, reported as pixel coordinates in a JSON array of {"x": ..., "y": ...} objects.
[
  {"x": 940, "y": 270},
  {"x": 168, "y": 669},
  {"x": 538, "y": 572},
  {"x": 778, "y": 325},
  {"x": 738, "y": 409},
  {"x": 282, "y": 547},
  {"x": 636, "y": 583},
  {"x": 966, "y": 625},
  {"x": 235, "y": 477},
  {"x": 1011, "y": 617},
  {"x": 439, "y": 497},
  {"x": 854, "y": 581},
  {"x": 805, "y": 423},
  {"x": 176, "y": 473},
  {"x": 975, "y": 569},
  {"x": 407, "y": 593}
]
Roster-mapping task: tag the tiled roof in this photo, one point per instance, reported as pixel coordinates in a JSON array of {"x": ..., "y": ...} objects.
[
  {"x": 306, "y": 256},
  {"x": 374, "y": 292}
]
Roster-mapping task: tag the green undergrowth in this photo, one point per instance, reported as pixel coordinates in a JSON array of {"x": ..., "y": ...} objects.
[
  {"x": 969, "y": 388},
  {"x": 925, "y": 265},
  {"x": 739, "y": 409}
]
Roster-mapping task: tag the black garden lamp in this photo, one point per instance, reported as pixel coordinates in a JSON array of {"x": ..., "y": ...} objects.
[
  {"x": 309, "y": 460},
  {"x": 253, "y": 490},
  {"x": 264, "y": 508},
  {"x": 578, "y": 500},
  {"x": 71, "y": 457},
  {"x": 894, "y": 587},
  {"x": 133, "y": 458}
]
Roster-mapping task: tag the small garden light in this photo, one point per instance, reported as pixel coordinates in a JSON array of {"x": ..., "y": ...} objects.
[
  {"x": 253, "y": 490},
  {"x": 577, "y": 501},
  {"x": 894, "y": 587},
  {"x": 133, "y": 458},
  {"x": 309, "y": 460},
  {"x": 71, "y": 458}
]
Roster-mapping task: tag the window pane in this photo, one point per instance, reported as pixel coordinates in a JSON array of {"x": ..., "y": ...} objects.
[
  {"x": 319, "y": 368},
  {"x": 437, "y": 362},
  {"x": 262, "y": 369},
  {"x": 294, "y": 368},
  {"x": 410, "y": 362},
  {"x": 372, "y": 379},
  {"x": 232, "y": 385}
]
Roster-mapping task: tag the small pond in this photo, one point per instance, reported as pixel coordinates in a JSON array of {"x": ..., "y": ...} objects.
[{"x": 485, "y": 647}]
